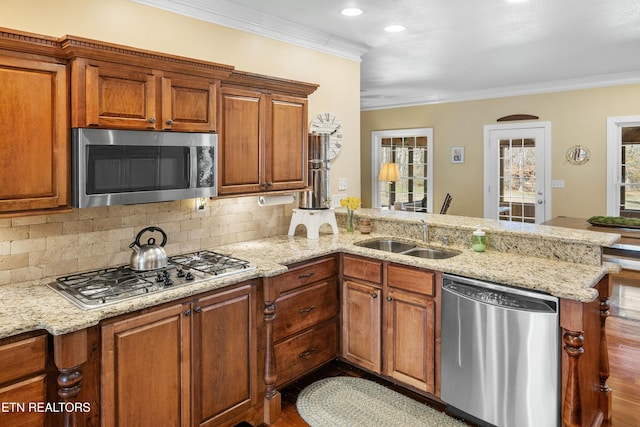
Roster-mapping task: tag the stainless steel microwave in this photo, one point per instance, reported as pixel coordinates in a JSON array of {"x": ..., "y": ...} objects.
[{"x": 123, "y": 167}]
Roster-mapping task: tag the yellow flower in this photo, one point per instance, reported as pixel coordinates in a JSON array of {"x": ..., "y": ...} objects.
[{"x": 351, "y": 203}]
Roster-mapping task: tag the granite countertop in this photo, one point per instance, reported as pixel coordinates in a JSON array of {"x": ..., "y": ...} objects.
[{"x": 33, "y": 305}]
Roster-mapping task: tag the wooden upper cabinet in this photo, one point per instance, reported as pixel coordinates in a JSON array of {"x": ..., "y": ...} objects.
[
  {"x": 286, "y": 145},
  {"x": 240, "y": 161},
  {"x": 262, "y": 141},
  {"x": 34, "y": 142},
  {"x": 129, "y": 97},
  {"x": 189, "y": 103}
]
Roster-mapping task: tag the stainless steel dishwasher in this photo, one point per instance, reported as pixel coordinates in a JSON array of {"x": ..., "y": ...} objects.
[{"x": 500, "y": 360}]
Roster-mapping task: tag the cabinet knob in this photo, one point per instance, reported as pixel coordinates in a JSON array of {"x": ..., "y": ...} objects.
[
  {"x": 169, "y": 122},
  {"x": 389, "y": 298},
  {"x": 269, "y": 184},
  {"x": 198, "y": 309},
  {"x": 374, "y": 295},
  {"x": 152, "y": 120},
  {"x": 187, "y": 312}
]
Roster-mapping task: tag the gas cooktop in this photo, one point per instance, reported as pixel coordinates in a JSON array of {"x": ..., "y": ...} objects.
[{"x": 98, "y": 288}]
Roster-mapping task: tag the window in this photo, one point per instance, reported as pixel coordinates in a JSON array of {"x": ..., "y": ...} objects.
[
  {"x": 630, "y": 172},
  {"x": 517, "y": 180},
  {"x": 623, "y": 166},
  {"x": 411, "y": 150}
]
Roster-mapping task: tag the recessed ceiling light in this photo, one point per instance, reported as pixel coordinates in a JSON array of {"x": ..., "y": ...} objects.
[
  {"x": 396, "y": 28},
  {"x": 352, "y": 11}
]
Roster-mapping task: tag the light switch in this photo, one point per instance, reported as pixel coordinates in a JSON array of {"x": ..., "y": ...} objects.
[{"x": 342, "y": 183}]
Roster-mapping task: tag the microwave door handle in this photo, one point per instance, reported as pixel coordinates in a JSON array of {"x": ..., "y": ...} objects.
[{"x": 193, "y": 167}]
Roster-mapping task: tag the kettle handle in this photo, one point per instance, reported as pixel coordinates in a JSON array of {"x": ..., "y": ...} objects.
[{"x": 152, "y": 228}]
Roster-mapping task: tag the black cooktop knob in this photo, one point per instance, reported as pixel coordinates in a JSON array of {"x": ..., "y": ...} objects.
[
  {"x": 168, "y": 282},
  {"x": 159, "y": 278},
  {"x": 180, "y": 272},
  {"x": 189, "y": 276}
]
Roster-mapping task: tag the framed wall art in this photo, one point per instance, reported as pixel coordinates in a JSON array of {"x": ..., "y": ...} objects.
[{"x": 457, "y": 154}]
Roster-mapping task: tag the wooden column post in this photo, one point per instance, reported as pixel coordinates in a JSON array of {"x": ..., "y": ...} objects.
[
  {"x": 69, "y": 354},
  {"x": 272, "y": 403},
  {"x": 604, "y": 287},
  {"x": 572, "y": 407}
]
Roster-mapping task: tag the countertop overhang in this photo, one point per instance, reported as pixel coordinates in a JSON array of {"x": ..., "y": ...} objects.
[{"x": 33, "y": 305}]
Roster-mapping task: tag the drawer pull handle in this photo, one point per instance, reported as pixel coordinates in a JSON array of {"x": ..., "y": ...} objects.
[
  {"x": 307, "y": 353},
  {"x": 307, "y": 310},
  {"x": 306, "y": 276}
]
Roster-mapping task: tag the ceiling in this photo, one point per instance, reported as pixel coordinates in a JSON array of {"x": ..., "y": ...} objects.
[{"x": 452, "y": 50}]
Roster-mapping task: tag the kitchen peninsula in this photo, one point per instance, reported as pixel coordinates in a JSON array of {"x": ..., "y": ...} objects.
[{"x": 561, "y": 262}]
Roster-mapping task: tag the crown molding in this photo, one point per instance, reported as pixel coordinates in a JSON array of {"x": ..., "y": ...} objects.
[
  {"x": 592, "y": 82},
  {"x": 227, "y": 14}
]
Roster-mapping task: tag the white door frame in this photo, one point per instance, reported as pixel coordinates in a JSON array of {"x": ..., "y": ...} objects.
[
  {"x": 614, "y": 140},
  {"x": 376, "y": 137},
  {"x": 491, "y": 165}
]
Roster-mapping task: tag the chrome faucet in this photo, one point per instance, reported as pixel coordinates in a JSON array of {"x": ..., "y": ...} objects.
[{"x": 425, "y": 231}]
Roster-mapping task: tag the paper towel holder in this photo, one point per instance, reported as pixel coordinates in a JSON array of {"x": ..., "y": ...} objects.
[{"x": 275, "y": 199}]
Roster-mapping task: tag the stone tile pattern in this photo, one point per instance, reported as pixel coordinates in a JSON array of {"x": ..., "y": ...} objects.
[{"x": 36, "y": 247}]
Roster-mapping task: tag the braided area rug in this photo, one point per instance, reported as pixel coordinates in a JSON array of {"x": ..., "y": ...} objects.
[{"x": 355, "y": 402}]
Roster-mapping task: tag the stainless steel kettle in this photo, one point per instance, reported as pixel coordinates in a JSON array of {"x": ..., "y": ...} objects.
[{"x": 149, "y": 256}]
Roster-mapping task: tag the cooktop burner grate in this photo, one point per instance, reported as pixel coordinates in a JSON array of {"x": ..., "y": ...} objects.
[{"x": 101, "y": 287}]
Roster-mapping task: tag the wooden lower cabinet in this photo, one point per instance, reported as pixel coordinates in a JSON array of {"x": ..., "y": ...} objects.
[
  {"x": 361, "y": 331},
  {"x": 23, "y": 380},
  {"x": 224, "y": 357},
  {"x": 409, "y": 339},
  {"x": 187, "y": 364},
  {"x": 389, "y": 321}
]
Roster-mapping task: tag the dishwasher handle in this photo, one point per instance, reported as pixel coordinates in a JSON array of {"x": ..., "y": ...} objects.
[{"x": 501, "y": 296}]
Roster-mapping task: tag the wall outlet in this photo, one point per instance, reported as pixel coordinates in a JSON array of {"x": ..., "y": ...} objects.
[{"x": 342, "y": 183}]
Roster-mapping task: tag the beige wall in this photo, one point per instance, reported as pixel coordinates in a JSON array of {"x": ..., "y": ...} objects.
[{"x": 577, "y": 117}]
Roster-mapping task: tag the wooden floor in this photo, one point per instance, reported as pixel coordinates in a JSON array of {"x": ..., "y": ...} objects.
[{"x": 623, "y": 334}]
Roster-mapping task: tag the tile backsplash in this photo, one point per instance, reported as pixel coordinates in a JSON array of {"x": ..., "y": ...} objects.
[{"x": 35, "y": 247}]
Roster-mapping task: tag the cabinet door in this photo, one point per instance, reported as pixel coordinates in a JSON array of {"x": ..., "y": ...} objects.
[
  {"x": 361, "y": 327},
  {"x": 34, "y": 141},
  {"x": 18, "y": 397},
  {"x": 410, "y": 339},
  {"x": 114, "y": 96},
  {"x": 188, "y": 103},
  {"x": 146, "y": 370},
  {"x": 241, "y": 162},
  {"x": 224, "y": 356},
  {"x": 286, "y": 145}
]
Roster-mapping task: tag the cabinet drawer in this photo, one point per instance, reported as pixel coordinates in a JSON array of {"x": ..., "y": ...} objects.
[
  {"x": 409, "y": 279},
  {"x": 301, "y": 309},
  {"x": 306, "y": 352},
  {"x": 362, "y": 268},
  {"x": 23, "y": 357},
  {"x": 307, "y": 273}
]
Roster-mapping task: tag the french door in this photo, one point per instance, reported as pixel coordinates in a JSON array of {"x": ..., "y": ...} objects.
[{"x": 517, "y": 168}]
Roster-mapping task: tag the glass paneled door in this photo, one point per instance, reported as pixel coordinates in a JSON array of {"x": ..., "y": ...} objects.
[{"x": 517, "y": 186}]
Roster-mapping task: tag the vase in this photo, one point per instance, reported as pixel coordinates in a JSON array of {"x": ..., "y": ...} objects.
[{"x": 349, "y": 221}]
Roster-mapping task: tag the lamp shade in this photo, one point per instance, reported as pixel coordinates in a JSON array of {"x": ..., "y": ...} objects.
[{"x": 389, "y": 172}]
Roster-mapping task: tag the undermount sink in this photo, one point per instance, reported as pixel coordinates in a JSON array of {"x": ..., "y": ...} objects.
[
  {"x": 404, "y": 248},
  {"x": 431, "y": 253},
  {"x": 387, "y": 245}
]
